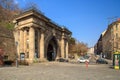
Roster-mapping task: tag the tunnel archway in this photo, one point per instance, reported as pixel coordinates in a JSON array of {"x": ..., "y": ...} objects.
[{"x": 52, "y": 49}]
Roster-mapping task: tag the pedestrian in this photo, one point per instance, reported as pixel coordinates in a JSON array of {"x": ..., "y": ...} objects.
[{"x": 86, "y": 62}]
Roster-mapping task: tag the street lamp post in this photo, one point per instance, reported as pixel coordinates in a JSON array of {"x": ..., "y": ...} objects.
[{"x": 17, "y": 55}]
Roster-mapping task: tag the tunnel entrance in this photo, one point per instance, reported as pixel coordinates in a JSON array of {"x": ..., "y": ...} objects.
[
  {"x": 50, "y": 53},
  {"x": 52, "y": 50}
]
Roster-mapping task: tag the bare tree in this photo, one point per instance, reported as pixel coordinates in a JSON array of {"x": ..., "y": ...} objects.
[
  {"x": 82, "y": 48},
  {"x": 76, "y": 47},
  {"x": 8, "y": 8},
  {"x": 9, "y": 4}
]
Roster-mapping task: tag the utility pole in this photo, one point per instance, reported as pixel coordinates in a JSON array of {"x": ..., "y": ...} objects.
[{"x": 16, "y": 54}]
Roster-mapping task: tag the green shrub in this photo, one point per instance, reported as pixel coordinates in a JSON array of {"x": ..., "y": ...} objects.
[
  {"x": 36, "y": 60},
  {"x": 9, "y": 25}
]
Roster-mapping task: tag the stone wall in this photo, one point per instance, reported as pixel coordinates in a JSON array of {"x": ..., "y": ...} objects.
[{"x": 7, "y": 43}]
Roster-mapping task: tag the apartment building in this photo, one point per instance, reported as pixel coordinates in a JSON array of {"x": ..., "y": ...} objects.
[{"x": 109, "y": 40}]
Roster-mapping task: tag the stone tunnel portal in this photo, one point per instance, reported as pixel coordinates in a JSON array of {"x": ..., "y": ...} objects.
[
  {"x": 52, "y": 50},
  {"x": 38, "y": 36}
]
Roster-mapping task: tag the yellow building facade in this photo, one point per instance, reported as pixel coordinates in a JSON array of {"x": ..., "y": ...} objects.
[{"x": 111, "y": 39}]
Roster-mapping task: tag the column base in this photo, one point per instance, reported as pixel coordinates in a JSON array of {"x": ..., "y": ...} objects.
[
  {"x": 30, "y": 61},
  {"x": 43, "y": 60}
]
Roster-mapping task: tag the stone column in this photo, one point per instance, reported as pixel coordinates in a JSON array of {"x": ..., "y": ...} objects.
[
  {"x": 66, "y": 49},
  {"x": 42, "y": 46},
  {"x": 25, "y": 41},
  {"x": 21, "y": 41},
  {"x": 58, "y": 50},
  {"x": 31, "y": 44},
  {"x": 63, "y": 47},
  {"x": 18, "y": 46}
]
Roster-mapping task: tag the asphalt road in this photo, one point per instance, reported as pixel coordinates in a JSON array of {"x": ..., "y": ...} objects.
[{"x": 60, "y": 71}]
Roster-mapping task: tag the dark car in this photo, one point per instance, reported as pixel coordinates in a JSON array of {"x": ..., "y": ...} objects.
[
  {"x": 101, "y": 61},
  {"x": 62, "y": 60}
]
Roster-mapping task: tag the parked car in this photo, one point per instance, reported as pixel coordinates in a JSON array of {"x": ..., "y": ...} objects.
[
  {"x": 101, "y": 61},
  {"x": 62, "y": 60},
  {"x": 82, "y": 60}
]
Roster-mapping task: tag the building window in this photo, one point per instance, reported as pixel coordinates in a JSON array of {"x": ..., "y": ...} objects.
[
  {"x": 5, "y": 57},
  {"x": 22, "y": 56}
]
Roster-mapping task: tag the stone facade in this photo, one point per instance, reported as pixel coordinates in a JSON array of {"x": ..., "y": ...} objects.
[
  {"x": 7, "y": 43},
  {"x": 111, "y": 40},
  {"x": 37, "y": 37},
  {"x": 106, "y": 44},
  {"x": 98, "y": 48}
]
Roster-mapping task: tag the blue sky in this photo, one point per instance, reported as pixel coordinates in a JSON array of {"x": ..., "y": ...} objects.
[{"x": 86, "y": 19}]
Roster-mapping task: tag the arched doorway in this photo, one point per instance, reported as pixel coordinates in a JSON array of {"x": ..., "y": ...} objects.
[{"x": 52, "y": 50}]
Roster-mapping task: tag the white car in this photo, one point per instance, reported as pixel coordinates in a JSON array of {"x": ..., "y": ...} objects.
[{"x": 82, "y": 60}]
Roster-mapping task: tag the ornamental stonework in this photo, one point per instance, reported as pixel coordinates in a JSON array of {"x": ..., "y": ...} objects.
[{"x": 39, "y": 38}]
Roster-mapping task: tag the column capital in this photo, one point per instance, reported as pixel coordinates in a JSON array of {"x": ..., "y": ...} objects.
[
  {"x": 21, "y": 29},
  {"x": 42, "y": 30},
  {"x": 31, "y": 27},
  {"x": 26, "y": 28}
]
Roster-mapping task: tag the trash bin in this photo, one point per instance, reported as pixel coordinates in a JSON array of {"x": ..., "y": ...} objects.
[{"x": 116, "y": 60}]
